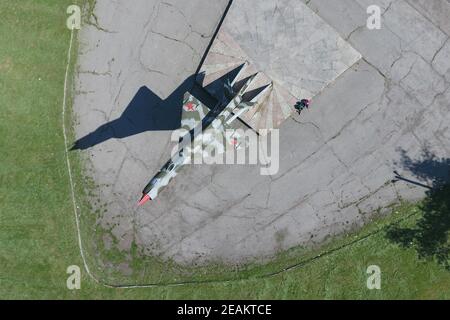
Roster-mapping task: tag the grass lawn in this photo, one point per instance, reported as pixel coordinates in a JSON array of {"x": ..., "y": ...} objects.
[{"x": 38, "y": 239}]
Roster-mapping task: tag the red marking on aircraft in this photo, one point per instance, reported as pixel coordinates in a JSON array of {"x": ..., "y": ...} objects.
[
  {"x": 144, "y": 199},
  {"x": 190, "y": 107}
]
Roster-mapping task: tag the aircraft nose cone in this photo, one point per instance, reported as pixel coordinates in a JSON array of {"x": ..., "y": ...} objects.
[{"x": 144, "y": 199}]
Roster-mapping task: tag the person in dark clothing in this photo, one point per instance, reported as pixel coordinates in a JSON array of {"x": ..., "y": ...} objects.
[{"x": 300, "y": 105}]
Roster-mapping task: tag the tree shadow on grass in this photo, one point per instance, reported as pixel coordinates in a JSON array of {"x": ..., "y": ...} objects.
[{"x": 430, "y": 235}]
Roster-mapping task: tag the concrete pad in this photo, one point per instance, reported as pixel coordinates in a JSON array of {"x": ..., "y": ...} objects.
[
  {"x": 336, "y": 160},
  {"x": 288, "y": 42}
]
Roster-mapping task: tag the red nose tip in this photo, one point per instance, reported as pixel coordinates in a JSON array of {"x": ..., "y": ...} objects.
[{"x": 144, "y": 199}]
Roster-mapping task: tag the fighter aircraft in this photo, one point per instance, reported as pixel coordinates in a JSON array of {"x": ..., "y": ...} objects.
[{"x": 218, "y": 128}]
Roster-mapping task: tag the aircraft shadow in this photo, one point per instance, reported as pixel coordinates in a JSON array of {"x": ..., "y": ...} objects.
[{"x": 148, "y": 112}]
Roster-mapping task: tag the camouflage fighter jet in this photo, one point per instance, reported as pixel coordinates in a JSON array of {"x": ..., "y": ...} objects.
[{"x": 218, "y": 127}]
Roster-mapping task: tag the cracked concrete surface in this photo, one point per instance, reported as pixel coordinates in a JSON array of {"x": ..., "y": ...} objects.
[
  {"x": 336, "y": 160},
  {"x": 290, "y": 44}
]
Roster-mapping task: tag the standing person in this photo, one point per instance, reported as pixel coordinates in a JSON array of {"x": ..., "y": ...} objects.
[{"x": 300, "y": 105}]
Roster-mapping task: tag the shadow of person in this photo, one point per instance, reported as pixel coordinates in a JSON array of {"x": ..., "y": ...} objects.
[
  {"x": 146, "y": 112},
  {"x": 429, "y": 236}
]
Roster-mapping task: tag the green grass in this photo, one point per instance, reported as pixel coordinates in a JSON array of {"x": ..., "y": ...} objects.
[{"x": 38, "y": 238}]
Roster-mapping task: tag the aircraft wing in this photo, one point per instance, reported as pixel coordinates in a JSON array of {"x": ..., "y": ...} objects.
[{"x": 193, "y": 112}]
